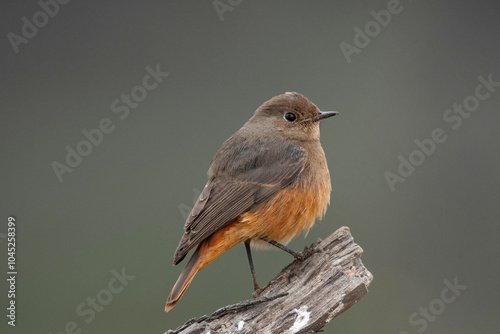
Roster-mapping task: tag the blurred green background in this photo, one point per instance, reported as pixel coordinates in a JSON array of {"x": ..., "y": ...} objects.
[{"x": 124, "y": 205}]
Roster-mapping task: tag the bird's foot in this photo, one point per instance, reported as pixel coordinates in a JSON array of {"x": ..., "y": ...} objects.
[
  {"x": 307, "y": 252},
  {"x": 256, "y": 292}
]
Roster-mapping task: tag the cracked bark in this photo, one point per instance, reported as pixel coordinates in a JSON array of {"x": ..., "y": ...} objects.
[{"x": 302, "y": 298}]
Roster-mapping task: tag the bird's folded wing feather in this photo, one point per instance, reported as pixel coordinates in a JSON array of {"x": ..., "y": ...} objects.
[{"x": 227, "y": 195}]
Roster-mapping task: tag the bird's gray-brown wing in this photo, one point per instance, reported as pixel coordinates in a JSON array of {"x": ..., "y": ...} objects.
[{"x": 260, "y": 175}]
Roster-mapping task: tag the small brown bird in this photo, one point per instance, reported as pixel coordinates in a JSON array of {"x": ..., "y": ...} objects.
[{"x": 267, "y": 183}]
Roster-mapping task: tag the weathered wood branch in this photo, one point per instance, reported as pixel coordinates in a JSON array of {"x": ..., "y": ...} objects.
[{"x": 302, "y": 298}]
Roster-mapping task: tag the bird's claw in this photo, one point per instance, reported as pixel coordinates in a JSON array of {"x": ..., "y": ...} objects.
[
  {"x": 307, "y": 252},
  {"x": 256, "y": 293}
]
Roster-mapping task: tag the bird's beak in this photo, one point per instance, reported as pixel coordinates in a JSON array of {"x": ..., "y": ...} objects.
[{"x": 324, "y": 114}]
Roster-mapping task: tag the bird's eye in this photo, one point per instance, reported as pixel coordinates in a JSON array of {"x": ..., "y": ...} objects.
[{"x": 290, "y": 117}]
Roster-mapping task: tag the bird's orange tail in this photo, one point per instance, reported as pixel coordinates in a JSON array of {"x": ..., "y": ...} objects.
[
  {"x": 187, "y": 275},
  {"x": 207, "y": 251}
]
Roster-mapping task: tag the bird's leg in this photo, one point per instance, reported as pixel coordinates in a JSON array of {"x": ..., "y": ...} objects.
[
  {"x": 256, "y": 288},
  {"x": 295, "y": 254},
  {"x": 299, "y": 256}
]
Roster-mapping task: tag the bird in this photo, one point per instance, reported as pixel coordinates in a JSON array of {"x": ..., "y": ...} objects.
[{"x": 267, "y": 184}]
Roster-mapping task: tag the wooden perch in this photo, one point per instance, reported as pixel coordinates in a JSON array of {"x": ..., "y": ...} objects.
[{"x": 302, "y": 298}]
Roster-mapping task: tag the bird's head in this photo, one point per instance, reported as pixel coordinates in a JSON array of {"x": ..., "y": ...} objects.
[{"x": 292, "y": 115}]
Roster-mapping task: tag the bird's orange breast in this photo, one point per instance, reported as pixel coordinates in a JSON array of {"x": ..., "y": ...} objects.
[{"x": 285, "y": 216}]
